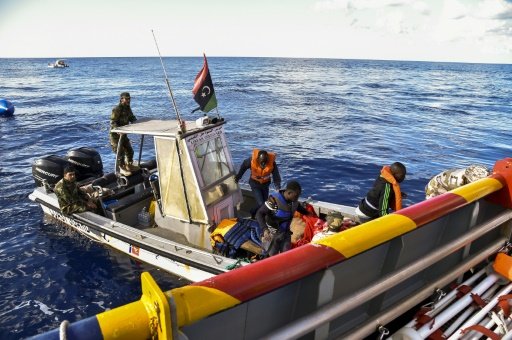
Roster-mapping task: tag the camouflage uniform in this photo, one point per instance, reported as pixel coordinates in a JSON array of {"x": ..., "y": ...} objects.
[
  {"x": 121, "y": 115},
  {"x": 454, "y": 178},
  {"x": 71, "y": 198}
]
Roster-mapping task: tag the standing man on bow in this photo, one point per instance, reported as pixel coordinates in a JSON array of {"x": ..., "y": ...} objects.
[
  {"x": 263, "y": 167},
  {"x": 122, "y": 115}
]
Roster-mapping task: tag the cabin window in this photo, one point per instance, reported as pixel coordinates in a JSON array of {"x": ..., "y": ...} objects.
[{"x": 211, "y": 160}]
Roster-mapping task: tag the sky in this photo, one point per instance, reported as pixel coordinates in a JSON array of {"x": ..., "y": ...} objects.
[{"x": 432, "y": 30}]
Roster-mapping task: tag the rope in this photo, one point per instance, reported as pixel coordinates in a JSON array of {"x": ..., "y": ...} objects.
[{"x": 238, "y": 263}]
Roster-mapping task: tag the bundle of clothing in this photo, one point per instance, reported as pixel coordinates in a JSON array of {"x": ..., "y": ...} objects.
[
  {"x": 313, "y": 228},
  {"x": 233, "y": 238}
]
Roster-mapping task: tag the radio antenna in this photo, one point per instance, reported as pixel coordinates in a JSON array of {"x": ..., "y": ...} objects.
[{"x": 181, "y": 123}]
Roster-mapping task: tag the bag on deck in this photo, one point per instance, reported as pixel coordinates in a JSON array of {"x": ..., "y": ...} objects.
[{"x": 229, "y": 236}]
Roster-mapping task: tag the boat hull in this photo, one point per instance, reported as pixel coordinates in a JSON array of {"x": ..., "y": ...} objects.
[{"x": 191, "y": 264}]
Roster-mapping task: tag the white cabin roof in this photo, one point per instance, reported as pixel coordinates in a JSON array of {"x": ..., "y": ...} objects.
[{"x": 158, "y": 127}]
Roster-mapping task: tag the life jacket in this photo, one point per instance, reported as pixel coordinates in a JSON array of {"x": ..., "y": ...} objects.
[
  {"x": 257, "y": 173},
  {"x": 388, "y": 176},
  {"x": 281, "y": 217}
]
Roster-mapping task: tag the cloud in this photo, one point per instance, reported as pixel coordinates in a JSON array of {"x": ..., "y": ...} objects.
[
  {"x": 493, "y": 9},
  {"x": 505, "y": 15},
  {"x": 358, "y": 5}
]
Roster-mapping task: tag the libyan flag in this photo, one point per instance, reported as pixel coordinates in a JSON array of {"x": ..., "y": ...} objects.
[{"x": 203, "y": 91}]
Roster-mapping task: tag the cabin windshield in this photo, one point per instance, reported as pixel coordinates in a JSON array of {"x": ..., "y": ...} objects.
[{"x": 211, "y": 160}]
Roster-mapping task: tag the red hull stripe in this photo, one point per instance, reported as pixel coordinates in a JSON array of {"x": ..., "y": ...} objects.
[
  {"x": 431, "y": 209},
  {"x": 261, "y": 277}
]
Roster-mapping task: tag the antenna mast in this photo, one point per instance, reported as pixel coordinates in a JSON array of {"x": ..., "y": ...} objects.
[{"x": 181, "y": 123}]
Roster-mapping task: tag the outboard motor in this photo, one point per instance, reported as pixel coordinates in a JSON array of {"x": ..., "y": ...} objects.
[
  {"x": 87, "y": 162},
  {"x": 48, "y": 170}
]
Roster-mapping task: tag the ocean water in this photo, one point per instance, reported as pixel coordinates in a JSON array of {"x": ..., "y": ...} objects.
[{"x": 332, "y": 123}]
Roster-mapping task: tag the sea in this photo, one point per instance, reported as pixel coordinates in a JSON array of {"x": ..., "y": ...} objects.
[{"x": 332, "y": 122}]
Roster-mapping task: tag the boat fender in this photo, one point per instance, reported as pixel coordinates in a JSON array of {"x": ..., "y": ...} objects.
[
  {"x": 503, "y": 265},
  {"x": 6, "y": 108}
]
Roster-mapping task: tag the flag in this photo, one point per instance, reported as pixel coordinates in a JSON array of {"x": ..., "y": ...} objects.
[{"x": 204, "y": 95}]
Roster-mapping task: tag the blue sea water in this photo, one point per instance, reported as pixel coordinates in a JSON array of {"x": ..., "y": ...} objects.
[{"x": 333, "y": 124}]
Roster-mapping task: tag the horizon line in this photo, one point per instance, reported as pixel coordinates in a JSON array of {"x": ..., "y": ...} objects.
[{"x": 269, "y": 57}]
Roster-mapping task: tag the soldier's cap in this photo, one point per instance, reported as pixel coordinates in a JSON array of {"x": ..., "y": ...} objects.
[{"x": 125, "y": 95}]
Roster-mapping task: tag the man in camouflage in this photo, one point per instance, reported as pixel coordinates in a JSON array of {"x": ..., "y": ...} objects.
[
  {"x": 71, "y": 198},
  {"x": 454, "y": 178},
  {"x": 122, "y": 115}
]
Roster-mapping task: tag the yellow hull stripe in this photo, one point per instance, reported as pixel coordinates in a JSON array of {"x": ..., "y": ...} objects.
[
  {"x": 194, "y": 303},
  {"x": 474, "y": 191},
  {"x": 368, "y": 235}
]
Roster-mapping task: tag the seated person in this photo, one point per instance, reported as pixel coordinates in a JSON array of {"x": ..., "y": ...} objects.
[
  {"x": 277, "y": 214},
  {"x": 335, "y": 223},
  {"x": 454, "y": 178},
  {"x": 71, "y": 198}
]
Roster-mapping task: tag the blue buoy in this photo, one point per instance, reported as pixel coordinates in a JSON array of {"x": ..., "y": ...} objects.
[{"x": 6, "y": 108}]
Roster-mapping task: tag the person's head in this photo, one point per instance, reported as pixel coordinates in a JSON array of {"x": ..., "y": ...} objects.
[
  {"x": 398, "y": 171},
  {"x": 125, "y": 98},
  {"x": 262, "y": 158},
  {"x": 334, "y": 221},
  {"x": 292, "y": 191},
  {"x": 69, "y": 173},
  {"x": 475, "y": 172},
  {"x": 336, "y": 224}
]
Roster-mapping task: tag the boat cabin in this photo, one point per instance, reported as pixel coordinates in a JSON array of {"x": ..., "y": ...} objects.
[{"x": 195, "y": 183}]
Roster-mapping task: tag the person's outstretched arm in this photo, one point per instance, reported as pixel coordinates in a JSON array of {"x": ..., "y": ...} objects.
[
  {"x": 276, "y": 177},
  {"x": 246, "y": 165}
]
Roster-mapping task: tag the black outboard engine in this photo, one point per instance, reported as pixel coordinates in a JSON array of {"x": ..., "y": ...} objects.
[
  {"x": 86, "y": 161},
  {"x": 48, "y": 170}
]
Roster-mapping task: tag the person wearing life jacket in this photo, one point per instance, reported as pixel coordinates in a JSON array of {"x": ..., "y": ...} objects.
[
  {"x": 275, "y": 216},
  {"x": 263, "y": 170},
  {"x": 454, "y": 178},
  {"x": 384, "y": 195}
]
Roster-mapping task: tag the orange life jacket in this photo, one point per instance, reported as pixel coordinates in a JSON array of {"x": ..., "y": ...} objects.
[
  {"x": 257, "y": 173},
  {"x": 388, "y": 176}
]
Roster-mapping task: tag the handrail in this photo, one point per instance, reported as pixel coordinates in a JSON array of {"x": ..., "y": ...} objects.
[
  {"x": 339, "y": 307},
  {"x": 396, "y": 310}
]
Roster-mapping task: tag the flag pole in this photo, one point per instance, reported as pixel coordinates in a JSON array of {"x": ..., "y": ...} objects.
[
  {"x": 181, "y": 123},
  {"x": 218, "y": 114}
]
